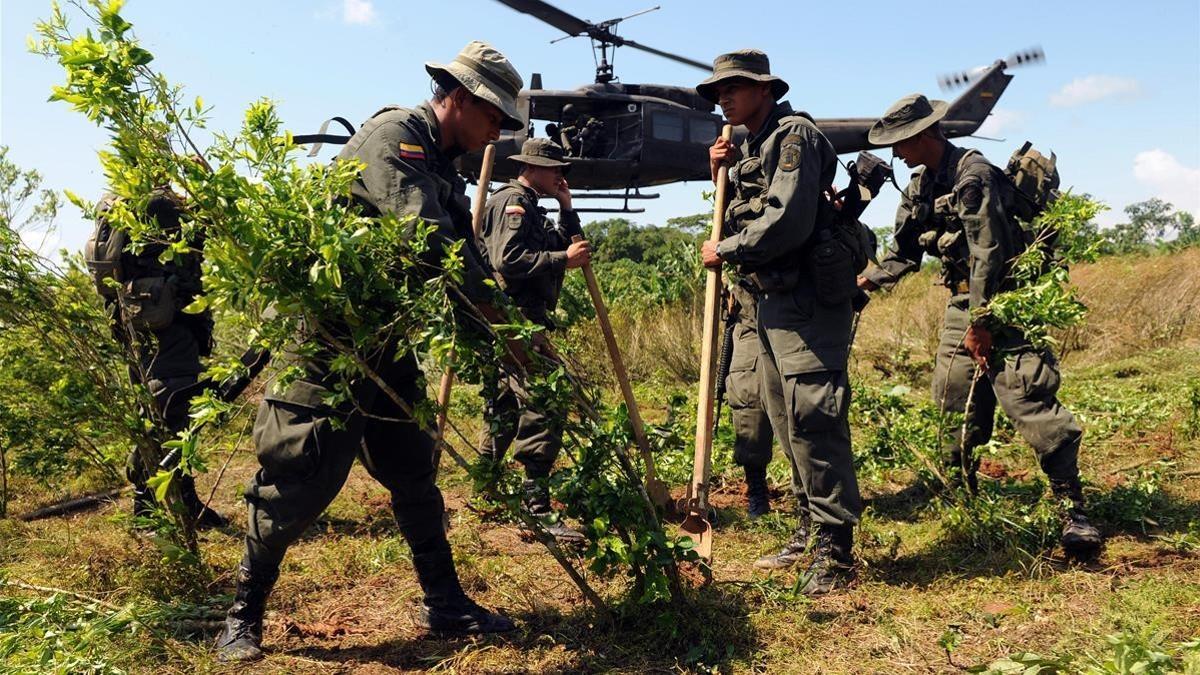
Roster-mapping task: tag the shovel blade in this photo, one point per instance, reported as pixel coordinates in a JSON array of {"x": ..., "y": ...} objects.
[{"x": 700, "y": 531}]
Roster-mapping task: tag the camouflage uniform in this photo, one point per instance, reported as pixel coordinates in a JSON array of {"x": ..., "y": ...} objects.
[
  {"x": 963, "y": 212},
  {"x": 168, "y": 355},
  {"x": 970, "y": 232},
  {"x": 530, "y": 252},
  {"x": 751, "y": 425},
  {"x": 777, "y": 213},
  {"x": 306, "y": 448}
]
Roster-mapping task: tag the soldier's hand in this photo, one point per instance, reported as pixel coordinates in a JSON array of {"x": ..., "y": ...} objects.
[
  {"x": 709, "y": 255},
  {"x": 579, "y": 254},
  {"x": 722, "y": 153},
  {"x": 866, "y": 284},
  {"x": 978, "y": 341},
  {"x": 563, "y": 195}
]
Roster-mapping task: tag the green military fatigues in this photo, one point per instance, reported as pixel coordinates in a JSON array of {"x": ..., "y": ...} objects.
[
  {"x": 305, "y": 457},
  {"x": 530, "y": 252},
  {"x": 775, "y": 212},
  {"x": 960, "y": 214},
  {"x": 751, "y": 424},
  {"x": 169, "y": 355}
]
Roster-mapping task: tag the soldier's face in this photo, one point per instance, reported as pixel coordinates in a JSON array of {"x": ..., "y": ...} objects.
[
  {"x": 915, "y": 151},
  {"x": 479, "y": 122},
  {"x": 742, "y": 99},
  {"x": 544, "y": 179}
]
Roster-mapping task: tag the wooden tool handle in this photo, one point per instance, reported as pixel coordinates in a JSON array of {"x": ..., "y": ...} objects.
[
  {"x": 610, "y": 341},
  {"x": 702, "y": 466},
  {"x": 485, "y": 179}
]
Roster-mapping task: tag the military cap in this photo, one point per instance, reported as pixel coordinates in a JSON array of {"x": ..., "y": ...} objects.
[
  {"x": 906, "y": 118},
  {"x": 750, "y": 64},
  {"x": 486, "y": 73},
  {"x": 541, "y": 152}
]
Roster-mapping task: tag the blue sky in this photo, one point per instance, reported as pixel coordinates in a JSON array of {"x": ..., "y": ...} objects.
[{"x": 1118, "y": 98}]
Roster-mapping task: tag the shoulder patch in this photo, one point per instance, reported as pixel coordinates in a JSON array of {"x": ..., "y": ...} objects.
[
  {"x": 516, "y": 209},
  {"x": 970, "y": 196},
  {"x": 789, "y": 155},
  {"x": 411, "y": 151}
]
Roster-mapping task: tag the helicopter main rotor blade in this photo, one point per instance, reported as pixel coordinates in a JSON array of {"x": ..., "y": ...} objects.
[
  {"x": 567, "y": 23},
  {"x": 666, "y": 55}
]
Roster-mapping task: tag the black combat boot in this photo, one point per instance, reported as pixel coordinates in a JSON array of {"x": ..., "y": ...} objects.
[
  {"x": 446, "y": 608},
  {"x": 793, "y": 550},
  {"x": 143, "y": 502},
  {"x": 242, "y": 638},
  {"x": 537, "y": 503},
  {"x": 1080, "y": 539},
  {"x": 204, "y": 517},
  {"x": 833, "y": 562},
  {"x": 758, "y": 500},
  {"x": 960, "y": 475}
]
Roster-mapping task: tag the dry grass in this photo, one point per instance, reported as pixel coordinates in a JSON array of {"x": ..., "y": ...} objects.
[{"x": 345, "y": 601}]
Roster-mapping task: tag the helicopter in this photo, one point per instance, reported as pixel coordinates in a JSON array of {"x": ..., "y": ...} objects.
[{"x": 621, "y": 137}]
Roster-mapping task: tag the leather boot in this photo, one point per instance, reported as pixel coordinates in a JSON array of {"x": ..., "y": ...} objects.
[
  {"x": 204, "y": 517},
  {"x": 833, "y": 562},
  {"x": 758, "y": 500},
  {"x": 537, "y": 503},
  {"x": 242, "y": 638},
  {"x": 446, "y": 608},
  {"x": 793, "y": 550},
  {"x": 1080, "y": 539}
]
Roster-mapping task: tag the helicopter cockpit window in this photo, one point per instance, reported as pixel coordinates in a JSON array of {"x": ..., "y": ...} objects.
[
  {"x": 667, "y": 126},
  {"x": 702, "y": 131}
]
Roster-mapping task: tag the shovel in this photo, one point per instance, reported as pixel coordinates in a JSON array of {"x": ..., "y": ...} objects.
[
  {"x": 443, "y": 399},
  {"x": 657, "y": 490},
  {"x": 696, "y": 525}
]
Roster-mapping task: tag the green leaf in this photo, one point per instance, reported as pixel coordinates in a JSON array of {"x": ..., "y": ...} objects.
[{"x": 197, "y": 306}]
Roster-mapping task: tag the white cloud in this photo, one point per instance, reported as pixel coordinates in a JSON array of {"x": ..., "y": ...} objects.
[
  {"x": 361, "y": 12},
  {"x": 1001, "y": 120},
  {"x": 1169, "y": 180},
  {"x": 1094, "y": 88},
  {"x": 42, "y": 242}
]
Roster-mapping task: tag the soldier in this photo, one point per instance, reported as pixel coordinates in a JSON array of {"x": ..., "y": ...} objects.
[
  {"x": 958, "y": 207},
  {"x": 306, "y": 449},
  {"x": 781, "y": 222},
  {"x": 532, "y": 255},
  {"x": 169, "y": 343},
  {"x": 751, "y": 424}
]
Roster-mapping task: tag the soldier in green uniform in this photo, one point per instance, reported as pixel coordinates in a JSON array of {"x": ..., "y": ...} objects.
[
  {"x": 532, "y": 256},
  {"x": 169, "y": 343},
  {"x": 306, "y": 448},
  {"x": 780, "y": 221},
  {"x": 752, "y": 435},
  {"x": 958, "y": 208}
]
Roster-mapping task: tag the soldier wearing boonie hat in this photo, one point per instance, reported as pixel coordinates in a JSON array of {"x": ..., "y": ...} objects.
[
  {"x": 532, "y": 254},
  {"x": 959, "y": 208},
  {"x": 305, "y": 446},
  {"x": 774, "y": 219}
]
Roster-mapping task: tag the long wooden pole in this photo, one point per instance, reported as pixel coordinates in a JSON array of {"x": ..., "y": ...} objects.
[
  {"x": 657, "y": 490},
  {"x": 699, "y": 528},
  {"x": 447, "y": 383}
]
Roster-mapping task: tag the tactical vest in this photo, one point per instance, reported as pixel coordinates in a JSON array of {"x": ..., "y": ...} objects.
[{"x": 833, "y": 255}]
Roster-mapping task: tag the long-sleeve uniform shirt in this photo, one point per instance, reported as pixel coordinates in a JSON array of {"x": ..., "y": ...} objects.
[
  {"x": 958, "y": 213},
  {"x": 406, "y": 173},
  {"x": 527, "y": 248}
]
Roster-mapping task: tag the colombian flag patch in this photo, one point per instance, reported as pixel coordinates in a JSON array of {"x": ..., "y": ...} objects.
[
  {"x": 411, "y": 151},
  {"x": 514, "y": 210}
]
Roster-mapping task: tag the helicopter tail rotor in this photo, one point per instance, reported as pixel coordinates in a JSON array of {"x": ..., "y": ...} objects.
[{"x": 1024, "y": 57}]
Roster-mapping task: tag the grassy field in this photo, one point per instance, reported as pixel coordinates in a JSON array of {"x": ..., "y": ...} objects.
[{"x": 944, "y": 586}]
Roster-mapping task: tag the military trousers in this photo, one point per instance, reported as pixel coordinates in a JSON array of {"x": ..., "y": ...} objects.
[
  {"x": 807, "y": 394},
  {"x": 751, "y": 424},
  {"x": 170, "y": 366},
  {"x": 509, "y": 421},
  {"x": 1025, "y": 386},
  {"x": 306, "y": 450}
]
